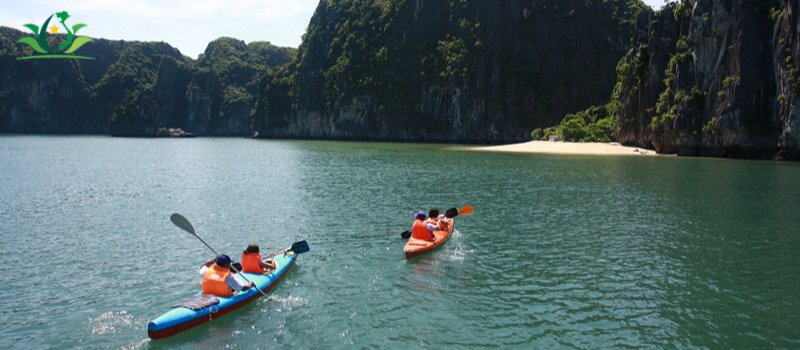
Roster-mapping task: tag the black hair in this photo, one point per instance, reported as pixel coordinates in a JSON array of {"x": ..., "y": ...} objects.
[
  {"x": 252, "y": 248},
  {"x": 433, "y": 213}
]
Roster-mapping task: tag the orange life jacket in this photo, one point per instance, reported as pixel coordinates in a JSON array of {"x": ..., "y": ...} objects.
[
  {"x": 419, "y": 230},
  {"x": 251, "y": 262},
  {"x": 214, "y": 281}
]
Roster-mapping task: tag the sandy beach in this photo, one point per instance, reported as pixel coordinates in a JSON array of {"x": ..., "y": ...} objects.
[{"x": 588, "y": 148}]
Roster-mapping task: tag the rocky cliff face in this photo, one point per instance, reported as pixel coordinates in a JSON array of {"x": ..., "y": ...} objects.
[
  {"x": 134, "y": 88},
  {"x": 34, "y": 94},
  {"x": 476, "y": 71},
  {"x": 713, "y": 77}
]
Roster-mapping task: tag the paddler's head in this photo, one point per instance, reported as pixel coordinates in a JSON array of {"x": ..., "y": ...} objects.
[
  {"x": 223, "y": 260},
  {"x": 434, "y": 213},
  {"x": 252, "y": 248},
  {"x": 420, "y": 215}
]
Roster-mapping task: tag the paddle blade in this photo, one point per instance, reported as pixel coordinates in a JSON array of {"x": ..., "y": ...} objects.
[
  {"x": 405, "y": 234},
  {"x": 466, "y": 210},
  {"x": 451, "y": 213},
  {"x": 300, "y": 247},
  {"x": 181, "y": 222}
]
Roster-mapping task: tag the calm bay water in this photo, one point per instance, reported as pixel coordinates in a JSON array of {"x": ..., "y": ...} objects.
[{"x": 561, "y": 252}]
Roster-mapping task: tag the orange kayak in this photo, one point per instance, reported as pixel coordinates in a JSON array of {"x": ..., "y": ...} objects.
[{"x": 415, "y": 247}]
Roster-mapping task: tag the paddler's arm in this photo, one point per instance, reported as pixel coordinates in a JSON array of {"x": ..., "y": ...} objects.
[
  {"x": 268, "y": 263},
  {"x": 235, "y": 285},
  {"x": 205, "y": 267}
]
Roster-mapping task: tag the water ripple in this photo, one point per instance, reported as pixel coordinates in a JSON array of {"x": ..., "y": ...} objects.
[{"x": 561, "y": 252}]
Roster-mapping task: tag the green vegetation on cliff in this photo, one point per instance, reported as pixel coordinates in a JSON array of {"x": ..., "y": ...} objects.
[
  {"x": 446, "y": 70},
  {"x": 714, "y": 78},
  {"x": 594, "y": 124},
  {"x": 455, "y": 70},
  {"x": 135, "y": 88}
]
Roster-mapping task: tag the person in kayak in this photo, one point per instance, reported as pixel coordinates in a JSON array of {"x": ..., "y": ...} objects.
[
  {"x": 252, "y": 262},
  {"x": 419, "y": 230},
  {"x": 434, "y": 223},
  {"x": 444, "y": 223},
  {"x": 218, "y": 279}
]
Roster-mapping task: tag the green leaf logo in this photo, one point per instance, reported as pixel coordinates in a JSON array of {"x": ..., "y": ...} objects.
[{"x": 38, "y": 42}]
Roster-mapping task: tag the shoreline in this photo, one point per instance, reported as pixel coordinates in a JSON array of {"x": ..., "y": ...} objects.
[
  {"x": 575, "y": 148},
  {"x": 531, "y": 147}
]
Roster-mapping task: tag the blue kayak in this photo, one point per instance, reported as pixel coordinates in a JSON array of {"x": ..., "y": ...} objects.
[{"x": 196, "y": 312}]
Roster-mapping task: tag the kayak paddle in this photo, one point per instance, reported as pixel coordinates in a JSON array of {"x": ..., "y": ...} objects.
[
  {"x": 185, "y": 225},
  {"x": 299, "y": 247}
]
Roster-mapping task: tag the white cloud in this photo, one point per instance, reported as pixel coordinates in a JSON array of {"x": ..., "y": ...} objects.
[
  {"x": 186, "y": 24},
  {"x": 657, "y": 4},
  {"x": 259, "y": 10},
  {"x": 14, "y": 21}
]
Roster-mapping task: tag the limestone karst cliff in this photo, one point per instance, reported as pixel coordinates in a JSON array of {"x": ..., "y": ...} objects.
[
  {"x": 713, "y": 77},
  {"x": 475, "y": 71}
]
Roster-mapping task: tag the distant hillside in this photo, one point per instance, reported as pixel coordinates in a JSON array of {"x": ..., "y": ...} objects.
[{"x": 134, "y": 88}]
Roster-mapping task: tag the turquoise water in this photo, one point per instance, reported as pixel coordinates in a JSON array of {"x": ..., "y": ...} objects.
[{"x": 561, "y": 252}]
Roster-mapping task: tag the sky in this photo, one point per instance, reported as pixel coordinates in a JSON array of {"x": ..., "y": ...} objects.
[
  {"x": 656, "y": 4},
  {"x": 188, "y": 25}
]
